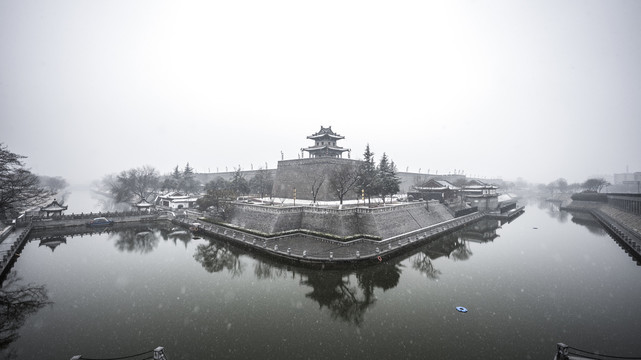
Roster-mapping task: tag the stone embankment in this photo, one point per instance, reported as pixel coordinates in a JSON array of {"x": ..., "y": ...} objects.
[
  {"x": 344, "y": 224},
  {"x": 391, "y": 230}
]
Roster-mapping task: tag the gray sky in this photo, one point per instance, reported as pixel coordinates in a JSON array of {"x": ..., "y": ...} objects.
[{"x": 532, "y": 89}]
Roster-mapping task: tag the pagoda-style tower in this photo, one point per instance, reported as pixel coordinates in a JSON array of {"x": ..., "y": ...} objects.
[{"x": 325, "y": 144}]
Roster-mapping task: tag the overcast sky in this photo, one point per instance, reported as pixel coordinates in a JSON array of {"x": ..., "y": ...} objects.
[{"x": 532, "y": 89}]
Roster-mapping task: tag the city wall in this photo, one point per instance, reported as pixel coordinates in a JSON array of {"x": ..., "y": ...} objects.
[
  {"x": 302, "y": 173},
  {"x": 379, "y": 223}
]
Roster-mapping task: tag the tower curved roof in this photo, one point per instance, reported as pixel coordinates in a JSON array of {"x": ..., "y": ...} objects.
[{"x": 326, "y": 132}]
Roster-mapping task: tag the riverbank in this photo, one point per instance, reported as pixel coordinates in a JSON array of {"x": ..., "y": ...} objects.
[{"x": 624, "y": 225}]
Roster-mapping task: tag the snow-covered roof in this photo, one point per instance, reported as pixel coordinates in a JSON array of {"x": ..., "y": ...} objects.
[
  {"x": 321, "y": 147},
  {"x": 54, "y": 206},
  {"x": 325, "y": 132},
  {"x": 143, "y": 203}
]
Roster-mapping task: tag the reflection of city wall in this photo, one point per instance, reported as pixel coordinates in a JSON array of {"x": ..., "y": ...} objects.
[
  {"x": 346, "y": 293},
  {"x": 618, "y": 214},
  {"x": 588, "y": 221}
]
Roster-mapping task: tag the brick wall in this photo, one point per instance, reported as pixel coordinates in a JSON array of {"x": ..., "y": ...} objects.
[
  {"x": 378, "y": 222},
  {"x": 301, "y": 173}
]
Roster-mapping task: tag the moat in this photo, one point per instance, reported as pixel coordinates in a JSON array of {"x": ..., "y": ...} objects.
[{"x": 542, "y": 279}]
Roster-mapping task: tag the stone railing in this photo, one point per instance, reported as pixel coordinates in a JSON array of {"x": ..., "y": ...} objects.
[
  {"x": 83, "y": 216},
  {"x": 626, "y": 202}
]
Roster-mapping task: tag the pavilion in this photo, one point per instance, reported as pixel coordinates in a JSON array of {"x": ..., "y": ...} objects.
[
  {"x": 54, "y": 208},
  {"x": 143, "y": 204}
]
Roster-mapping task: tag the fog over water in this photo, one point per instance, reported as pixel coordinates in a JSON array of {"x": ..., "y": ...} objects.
[{"x": 537, "y": 90}]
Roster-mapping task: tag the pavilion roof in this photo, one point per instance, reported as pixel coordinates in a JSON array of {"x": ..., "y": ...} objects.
[
  {"x": 143, "y": 203},
  {"x": 321, "y": 147},
  {"x": 434, "y": 184},
  {"x": 54, "y": 206},
  {"x": 326, "y": 132},
  {"x": 478, "y": 184}
]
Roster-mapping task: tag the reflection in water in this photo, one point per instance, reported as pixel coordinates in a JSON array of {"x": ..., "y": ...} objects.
[
  {"x": 336, "y": 292},
  {"x": 481, "y": 231},
  {"x": 345, "y": 293},
  {"x": 135, "y": 240},
  {"x": 553, "y": 209},
  {"x": 192, "y": 306},
  {"x": 216, "y": 256},
  {"x": 267, "y": 271},
  {"x": 588, "y": 221},
  {"x": 423, "y": 263},
  {"x": 52, "y": 242},
  {"x": 17, "y": 303}
]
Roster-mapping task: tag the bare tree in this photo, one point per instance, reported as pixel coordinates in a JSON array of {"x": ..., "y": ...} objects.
[
  {"x": 133, "y": 183},
  {"x": 19, "y": 188},
  {"x": 315, "y": 179},
  {"x": 595, "y": 184},
  {"x": 342, "y": 180}
]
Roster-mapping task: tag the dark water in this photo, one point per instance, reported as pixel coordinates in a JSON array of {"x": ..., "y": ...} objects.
[{"x": 109, "y": 295}]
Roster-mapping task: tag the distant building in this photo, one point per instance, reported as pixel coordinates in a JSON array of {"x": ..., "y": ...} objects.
[
  {"x": 143, "y": 204},
  {"x": 436, "y": 189},
  {"x": 176, "y": 200},
  {"x": 482, "y": 195},
  {"x": 627, "y": 178}
]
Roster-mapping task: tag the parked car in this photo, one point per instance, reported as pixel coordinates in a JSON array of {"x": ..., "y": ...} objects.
[{"x": 100, "y": 221}]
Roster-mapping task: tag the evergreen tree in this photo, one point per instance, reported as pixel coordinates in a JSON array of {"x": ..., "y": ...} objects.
[
  {"x": 177, "y": 175},
  {"x": 388, "y": 180},
  {"x": 262, "y": 183},
  {"x": 188, "y": 171},
  {"x": 238, "y": 184},
  {"x": 188, "y": 183},
  {"x": 382, "y": 176},
  {"x": 367, "y": 178}
]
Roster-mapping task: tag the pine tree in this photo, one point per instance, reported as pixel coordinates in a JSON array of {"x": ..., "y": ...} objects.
[
  {"x": 367, "y": 178},
  {"x": 388, "y": 180}
]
